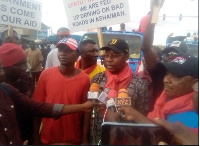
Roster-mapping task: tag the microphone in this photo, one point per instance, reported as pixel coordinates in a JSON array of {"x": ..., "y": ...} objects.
[
  {"x": 111, "y": 100},
  {"x": 122, "y": 99},
  {"x": 93, "y": 92},
  {"x": 104, "y": 95}
]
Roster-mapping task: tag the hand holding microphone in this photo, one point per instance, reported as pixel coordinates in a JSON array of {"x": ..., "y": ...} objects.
[
  {"x": 111, "y": 114},
  {"x": 93, "y": 95},
  {"x": 103, "y": 97},
  {"x": 129, "y": 114},
  {"x": 122, "y": 100},
  {"x": 132, "y": 115},
  {"x": 112, "y": 94},
  {"x": 88, "y": 106},
  {"x": 93, "y": 92}
]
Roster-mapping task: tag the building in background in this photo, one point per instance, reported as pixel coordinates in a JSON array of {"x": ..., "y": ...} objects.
[{"x": 29, "y": 35}]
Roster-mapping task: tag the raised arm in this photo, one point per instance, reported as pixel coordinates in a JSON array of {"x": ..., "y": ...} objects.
[{"x": 149, "y": 55}]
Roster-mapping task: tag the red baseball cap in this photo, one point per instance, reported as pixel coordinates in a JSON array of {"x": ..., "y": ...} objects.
[{"x": 70, "y": 42}]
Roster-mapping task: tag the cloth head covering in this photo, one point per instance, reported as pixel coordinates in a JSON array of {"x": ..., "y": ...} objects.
[{"x": 10, "y": 54}]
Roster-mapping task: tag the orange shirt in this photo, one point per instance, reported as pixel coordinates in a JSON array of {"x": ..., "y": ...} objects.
[{"x": 53, "y": 87}]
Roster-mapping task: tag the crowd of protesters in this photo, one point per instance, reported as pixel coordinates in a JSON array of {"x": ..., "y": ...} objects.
[{"x": 43, "y": 89}]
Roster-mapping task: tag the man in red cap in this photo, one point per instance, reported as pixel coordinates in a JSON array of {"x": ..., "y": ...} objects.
[
  {"x": 68, "y": 85},
  {"x": 14, "y": 63},
  {"x": 13, "y": 102}
]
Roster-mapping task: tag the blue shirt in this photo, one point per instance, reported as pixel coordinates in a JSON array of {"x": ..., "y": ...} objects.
[{"x": 189, "y": 118}]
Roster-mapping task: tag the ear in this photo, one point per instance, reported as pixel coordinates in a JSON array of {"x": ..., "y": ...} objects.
[
  {"x": 195, "y": 86},
  {"x": 195, "y": 81},
  {"x": 127, "y": 56}
]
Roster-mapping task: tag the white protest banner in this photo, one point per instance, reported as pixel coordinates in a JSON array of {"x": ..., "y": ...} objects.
[
  {"x": 89, "y": 14},
  {"x": 21, "y": 13}
]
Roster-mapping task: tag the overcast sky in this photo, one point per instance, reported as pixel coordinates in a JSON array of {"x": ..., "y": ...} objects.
[{"x": 53, "y": 13}]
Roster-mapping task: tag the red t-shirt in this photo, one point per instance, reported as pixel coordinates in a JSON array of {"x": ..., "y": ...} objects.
[
  {"x": 143, "y": 23},
  {"x": 53, "y": 87}
]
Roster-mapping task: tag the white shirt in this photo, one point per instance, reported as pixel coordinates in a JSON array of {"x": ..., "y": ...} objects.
[
  {"x": 52, "y": 59},
  {"x": 53, "y": 47}
]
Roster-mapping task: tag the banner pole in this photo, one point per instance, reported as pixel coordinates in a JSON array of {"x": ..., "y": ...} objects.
[
  {"x": 100, "y": 37},
  {"x": 156, "y": 10},
  {"x": 10, "y": 31}
]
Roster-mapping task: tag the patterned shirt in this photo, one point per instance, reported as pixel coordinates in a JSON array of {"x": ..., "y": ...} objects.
[{"x": 137, "y": 91}]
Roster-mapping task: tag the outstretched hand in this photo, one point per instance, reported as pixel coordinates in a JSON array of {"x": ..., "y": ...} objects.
[
  {"x": 130, "y": 114},
  {"x": 88, "y": 106},
  {"x": 182, "y": 134},
  {"x": 25, "y": 142},
  {"x": 112, "y": 116}
]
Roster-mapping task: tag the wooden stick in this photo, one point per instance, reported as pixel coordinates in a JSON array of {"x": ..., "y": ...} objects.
[
  {"x": 100, "y": 37},
  {"x": 156, "y": 10},
  {"x": 10, "y": 31}
]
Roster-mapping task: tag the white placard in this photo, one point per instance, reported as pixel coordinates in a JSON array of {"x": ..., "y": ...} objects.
[
  {"x": 89, "y": 14},
  {"x": 156, "y": 10},
  {"x": 21, "y": 13}
]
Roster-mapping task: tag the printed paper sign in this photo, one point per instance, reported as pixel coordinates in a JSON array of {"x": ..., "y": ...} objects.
[
  {"x": 21, "y": 13},
  {"x": 88, "y": 14}
]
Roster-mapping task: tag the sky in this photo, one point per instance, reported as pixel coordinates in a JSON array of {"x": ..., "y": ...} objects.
[{"x": 53, "y": 14}]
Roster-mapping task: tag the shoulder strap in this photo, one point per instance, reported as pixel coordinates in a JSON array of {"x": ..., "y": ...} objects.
[{"x": 6, "y": 89}]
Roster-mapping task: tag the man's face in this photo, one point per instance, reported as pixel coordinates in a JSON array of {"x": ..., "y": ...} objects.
[
  {"x": 67, "y": 56},
  {"x": 168, "y": 57},
  {"x": 175, "y": 86},
  {"x": 90, "y": 53},
  {"x": 115, "y": 62},
  {"x": 62, "y": 35},
  {"x": 16, "y": 71},
  {"x": 158, "y": 57}
]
